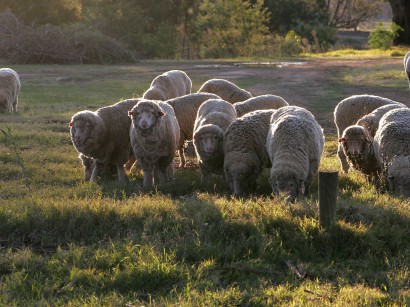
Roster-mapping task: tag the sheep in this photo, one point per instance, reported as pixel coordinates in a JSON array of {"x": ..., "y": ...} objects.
[
  {"x": 103, "y": 136},
  {"x": 213, "y": 118},
  {"x": 392, "y": 148},
  {"x": 371, "y": 121},
  {"x": 349, "y": 111},
  {"x": 225, "y": 89},
  {"x": 154, "y": 135},
  {"x": 245, "y": 154},
  {"x": 407, "y": 66},
  {"x": 357, "y": 145},
  {"x": 9, "y": 90},
  {"x": 171, "y": 84},
  {"x": 295, "y": 144},
  {"x": 259, "y": 103},
  {"x": 185, "y": 108}
]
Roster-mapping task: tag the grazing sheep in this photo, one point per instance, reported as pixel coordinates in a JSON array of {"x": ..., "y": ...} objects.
[
  {"x": 357, "y": 145},
  {"x": 154, "y": 137},
  {"x": 245, "y": 154},
  {"x": 349, "y": 111},
  {"x": 261, "y": 102},
  {"x": 213, "y": 118},
  {"x": 171, "y": 84},
  {"x": 9, "y": 90},
  {"x": 225, "y": 89},
  {"x": 103, "y": 135},
  {"x": 371, "y": 121},
  {"x": 392, "y": 148},
  {"x": 295, "y": 144},
  {"x": 407, "y": 66},
  {"x": 185, "y": 108}
]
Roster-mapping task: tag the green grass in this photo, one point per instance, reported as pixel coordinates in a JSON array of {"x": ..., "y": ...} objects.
[{"x": 64, "y": 241}]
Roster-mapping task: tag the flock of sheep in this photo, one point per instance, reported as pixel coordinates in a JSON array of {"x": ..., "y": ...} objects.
[{"x": 235, "y": 135}]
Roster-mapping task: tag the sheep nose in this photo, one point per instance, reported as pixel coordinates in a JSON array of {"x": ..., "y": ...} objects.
[{"x": 144, "y": 124}]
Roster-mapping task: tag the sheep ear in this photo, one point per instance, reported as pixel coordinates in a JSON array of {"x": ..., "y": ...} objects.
[
  {"x": 342, "y": 140},
  {"x": 71, "y": 124},
  {"x": 160, "y": 113},
  {"x": 130, "y": 113}
]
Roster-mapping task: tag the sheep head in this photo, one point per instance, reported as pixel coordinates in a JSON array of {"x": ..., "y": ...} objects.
[
  {"x": 355, "y": 140},
  {"x": 5, "y": 107},
  {"x": 145, "y": 114},
  {"x": 86, "y": 129},
  {"x": 398, "y": 175},
  {"x": 208, "y": 140},
  {"x": 287, "y": 185}
]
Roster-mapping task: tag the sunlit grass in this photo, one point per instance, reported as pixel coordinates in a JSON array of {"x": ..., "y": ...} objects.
[{"x": 64, "y": 241}]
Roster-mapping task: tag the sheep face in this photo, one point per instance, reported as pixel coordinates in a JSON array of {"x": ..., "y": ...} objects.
[
  {"x": 287, "y": 186},
  {"x": 4, "y": 106},
  {"x": 241, "y": 171},
  {"x": 145, "y": 117},
  {"x": 354, "y": 141},
  {"x": 81, "y": 131}
]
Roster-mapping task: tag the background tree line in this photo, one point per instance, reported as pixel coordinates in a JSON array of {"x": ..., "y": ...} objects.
[{"x": 106, "y": 31}]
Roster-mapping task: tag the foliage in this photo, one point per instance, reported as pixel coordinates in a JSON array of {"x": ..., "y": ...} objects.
[
  {"x": 231, "y": 28},
  {"x": 382, "y": 38},
  {"x": 291, "y": 44}
]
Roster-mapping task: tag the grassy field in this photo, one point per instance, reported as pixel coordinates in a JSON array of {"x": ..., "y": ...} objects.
[{"x": 64, "y": 241}]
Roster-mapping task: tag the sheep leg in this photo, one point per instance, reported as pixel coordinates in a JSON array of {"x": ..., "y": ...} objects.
[
  {"x": 96, "y": 170},
  {"x": 181, "y": 157},
  {"x": 148, "y": 177},
  {"x": 343, "y": 159},
  {"x": 14, "y": 107},
  {"x": 121, "y": 173}
]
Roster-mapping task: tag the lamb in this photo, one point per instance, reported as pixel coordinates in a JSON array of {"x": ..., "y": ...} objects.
[
  {"x": 245, "y": 151},
  {"x": 259, "y": 103},
  {"x": 295, "y": 144},
  {"x": 9, "y": 90},
  {"x": 349, "y": 111},
  {"x": 213, "y": 118},
  {"x": 185, "y": 108},
  {"x": 407, "y": 66},
  {"x": 171, "y": 84},
  {"x": 225, "y": 89},
  {"x": 154, "y": 137},
  {"x": 392, "y": 148},
  {"x": 103, "y": 136}
]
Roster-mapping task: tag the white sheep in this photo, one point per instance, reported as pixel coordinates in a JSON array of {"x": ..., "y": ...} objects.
[
  {"x": 261, "y": 102},
  {"x": 407, "y": 66},
  {"x": 371, "y": 121},
  {"x": 349, "y": 111},
  {"x": 103, "y": 135},
  {"x": 213, "y": 118},
  {"x": 9, "y": 90},
  {"x": 225, "y": 89},
  {"x": 185, "y": 108},
  {"x": 295, "y": 144},
  {"x": 245, "y": 154},
  {"x": 171, "y": 84},
  {"x": 392, "y": 148},
  {"x": 154, "y": 137}
]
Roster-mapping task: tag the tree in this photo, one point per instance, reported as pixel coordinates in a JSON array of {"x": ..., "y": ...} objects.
[
  {"x": 229, "y": 28},
  {"x": 350, "y": 13},
  {"x": 401, "y": 16},
  {"x": 41, "y": 12}
]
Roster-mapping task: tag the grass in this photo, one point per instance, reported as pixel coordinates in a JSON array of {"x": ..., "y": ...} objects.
[{"x": 64, "y": 241}]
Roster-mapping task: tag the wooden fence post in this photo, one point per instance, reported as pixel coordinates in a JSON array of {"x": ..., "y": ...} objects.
[{"x": 327, "y": 197}]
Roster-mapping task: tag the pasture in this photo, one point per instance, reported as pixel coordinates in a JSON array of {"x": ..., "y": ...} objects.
[{"x": 64, "y": 241}]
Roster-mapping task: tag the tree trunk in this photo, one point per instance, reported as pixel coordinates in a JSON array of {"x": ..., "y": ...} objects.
[{"x": 401, "y": 16}]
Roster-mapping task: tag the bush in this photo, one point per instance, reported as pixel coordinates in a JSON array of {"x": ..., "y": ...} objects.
[
  {"x": 49, "y": 44},
  {"x": 291, "y": 44},
  {"x": 382, "y": 38}
]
